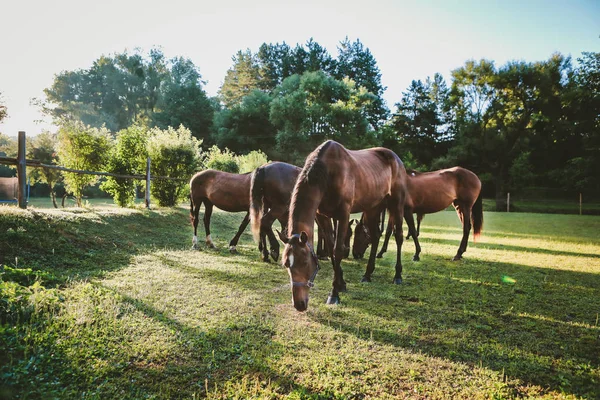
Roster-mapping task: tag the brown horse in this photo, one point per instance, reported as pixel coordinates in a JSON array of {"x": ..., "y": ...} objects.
[
  {"x": 429, "y": 193},
  {"x": 334, "y": 183},
  {"x": 271, "y": 189},
  {"x": 229, "y": 192},
  {"x": 270, "y": 192}
]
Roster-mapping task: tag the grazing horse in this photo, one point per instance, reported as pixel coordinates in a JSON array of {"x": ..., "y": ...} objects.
[
  {"x": 334, "y": 183},
  {"x": 271, "y": 189},
  {"x": 270, "y": 192},
  {"x": 229, "y": 192},
  {"x": 430, "y": 192}
]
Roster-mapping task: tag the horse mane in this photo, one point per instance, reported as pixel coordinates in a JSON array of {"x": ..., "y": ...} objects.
[{"x": 314, "y": 173}]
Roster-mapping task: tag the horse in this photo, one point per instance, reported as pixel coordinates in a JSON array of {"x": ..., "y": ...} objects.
[
  {"x": 271, "y": 188},
  {"x": 270, "y": 192},
  {"x": 335, "y": 182},
  {"x": 227, "y": 191},
  {"x": 428, "y": 193}
]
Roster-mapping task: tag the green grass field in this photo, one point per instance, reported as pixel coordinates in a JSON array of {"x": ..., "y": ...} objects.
[{"x": 112, "y": 303}]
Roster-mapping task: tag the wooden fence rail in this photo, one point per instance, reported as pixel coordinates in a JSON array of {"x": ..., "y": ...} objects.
[{"x": 21, "y": 162}]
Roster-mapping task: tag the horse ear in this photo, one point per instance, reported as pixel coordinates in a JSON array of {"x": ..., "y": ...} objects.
[
  {"x": 303, "y": 237},
  {"x": 282, "y": 237}
]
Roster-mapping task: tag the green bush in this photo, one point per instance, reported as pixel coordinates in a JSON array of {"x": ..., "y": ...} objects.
[
  {"x": 251, "y": 161},
  {"x": 127, "y": 157},
  {"x": 174, "y": 153},
  {"x": 221, "y": 160}
]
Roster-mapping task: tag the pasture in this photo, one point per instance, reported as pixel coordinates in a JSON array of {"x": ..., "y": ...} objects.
[{"x": 113, "y": 303}]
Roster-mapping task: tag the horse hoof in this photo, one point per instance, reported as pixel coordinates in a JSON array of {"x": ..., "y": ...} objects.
[
  {"x": 232, "y": 250},
  {"x": 379, "y": 255},
  {"x": 365, "y": 279},
  {"x": 397, "y": 281},
  {"x": 333, "y": 300},
  {"x": 275, "y": 257},
  {"x": 324, "y": 258},
  {"x": 416, "y": 258},
  {"x": 457, "y": 258}
]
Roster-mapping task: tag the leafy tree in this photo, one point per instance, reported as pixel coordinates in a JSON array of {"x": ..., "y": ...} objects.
[
  {"x": 358, "y": 63},
  {"x": 221, "y": 160},
  {"x": 127, "y": 157},
  {"x": 182, "y": 100},
  {"x": 420, "y": 122},
  {"x": 311, "y": 108},
  {"x": 241, "y": 79},
  {"x": 246, "y": 126},
  {"x": 43, "y": 148},
  {"x": 84, "y": 148},
  {"x": 275, "y": 64},
  {"x": 174, "y": 153}
]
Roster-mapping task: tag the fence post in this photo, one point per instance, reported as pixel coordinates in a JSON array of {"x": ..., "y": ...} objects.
[
  {"x": 22, "y": 171},
  {"x": 148, "y": 183},
  {"x": 580, "y": 203},
  {"x": 508, "y": 202}
]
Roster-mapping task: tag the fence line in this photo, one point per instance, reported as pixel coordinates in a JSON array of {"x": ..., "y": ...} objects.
[{"x": 21, "y": 162}]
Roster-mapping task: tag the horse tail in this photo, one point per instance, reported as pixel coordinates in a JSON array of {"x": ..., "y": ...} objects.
[
  {"x": 477, "y": 217},
  {"x": 256, "y": 200}
]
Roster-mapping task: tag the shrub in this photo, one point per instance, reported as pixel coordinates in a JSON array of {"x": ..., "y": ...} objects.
[
  {"x": 128, "y": 157},
  {"x": 221, "y": 160},
  {"x": 175, "y": 154},
  {"x": 251, "y": 161}
]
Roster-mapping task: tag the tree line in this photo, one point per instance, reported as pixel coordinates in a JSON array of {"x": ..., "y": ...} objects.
[{"x": 515, "y": 125}]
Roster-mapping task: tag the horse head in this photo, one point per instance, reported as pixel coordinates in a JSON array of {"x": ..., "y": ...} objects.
[
  {"x": 362, "y": 239},
  {"x": 302, "y": 265}
]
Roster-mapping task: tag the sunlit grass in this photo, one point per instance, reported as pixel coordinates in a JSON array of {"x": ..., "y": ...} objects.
[{"x": 136, "y": 313}]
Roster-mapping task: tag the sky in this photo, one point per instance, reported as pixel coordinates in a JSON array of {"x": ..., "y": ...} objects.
[{"x": 409, "y": 39}]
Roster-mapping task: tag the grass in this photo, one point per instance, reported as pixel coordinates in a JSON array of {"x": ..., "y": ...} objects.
[{"x": 110, "y": 303}]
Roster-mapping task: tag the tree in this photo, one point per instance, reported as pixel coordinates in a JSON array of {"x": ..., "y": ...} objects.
[
  {"x": 314, "y": 107},
  {"x": 246, "y": 126},
  {"x": 221, "y": 160},
  {"x": 182, "y": 100},
  {"x": 241, "y": 79},
  {"x": 127, "y": 157},
  {"x": 82, "y": 147},
  {"x": 420, "y": 122},
  {"x": 8, "y": 148},
  {"x": 43, "y": 148},
  {"x": 358, "y": 63},
  {"x": 175, "y": 153}
]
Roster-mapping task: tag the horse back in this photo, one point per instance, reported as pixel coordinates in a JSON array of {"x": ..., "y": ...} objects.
[{"x": 227, "y": 191}]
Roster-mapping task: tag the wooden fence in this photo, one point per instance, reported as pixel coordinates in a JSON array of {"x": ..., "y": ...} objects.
[{"x": 21, "y": 162}]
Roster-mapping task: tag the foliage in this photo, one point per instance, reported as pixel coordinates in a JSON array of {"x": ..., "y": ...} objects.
[
  {"x": 224, "y": 160},
  {"x": 128, "y": 157},
  {"x": 43, "y": 148},
  {"x": 241, "y": 79},
  {"x": 120, "y": 90},
  {"x": 249, "y": 162},
  {"x": 174, "y": 154},
  {"x": 8, "y": 148},
  {"x": 183, "y": 101},
  {"x": 245, "y": 126},
  {"x": 82, "y": 147},
  {"x": 313, "y": 107}
]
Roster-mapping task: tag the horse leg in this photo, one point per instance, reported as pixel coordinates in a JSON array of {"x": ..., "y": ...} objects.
[
  {"x": 195, "y": 211},
  {"x": 465, "y": 218},
  {"x": 398, "y": 214},
  {"x": 410, "y": 222},
  {"x": 208, "y": 207},
  {"x": 326, "y": 235},
  {"x": 386, "y": 240},
  {"x": 235, "y": 239},
  {"x": 419, "y": 219},
  {"x": 266, "y": 222},
  {"x": 339, "y": 285},
  {"x": 373, "y": 226}
]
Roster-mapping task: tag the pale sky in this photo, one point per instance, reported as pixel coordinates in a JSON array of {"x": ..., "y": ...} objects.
[{"x": 409, "y": 39}]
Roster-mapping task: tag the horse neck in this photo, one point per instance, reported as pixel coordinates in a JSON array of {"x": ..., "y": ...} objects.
[{"x": 303, "y": 210}]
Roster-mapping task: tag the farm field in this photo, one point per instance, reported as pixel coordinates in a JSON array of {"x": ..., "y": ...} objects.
[{"x": 113, "y": 303}]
